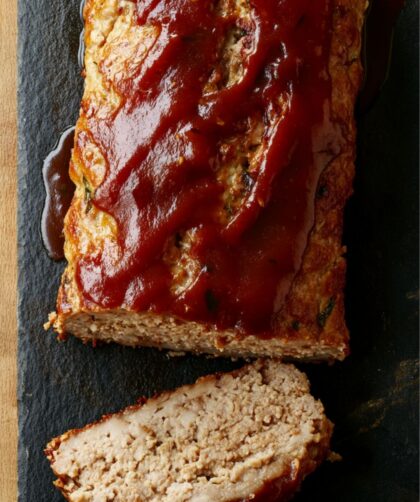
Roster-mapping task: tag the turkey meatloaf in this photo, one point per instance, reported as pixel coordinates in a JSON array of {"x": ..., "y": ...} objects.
[
  {"x": 213, "y": 156},
  {"x": 252, "y": 434}
]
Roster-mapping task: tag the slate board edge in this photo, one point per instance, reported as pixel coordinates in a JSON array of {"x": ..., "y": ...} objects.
[{"x": 22, "y": 173}]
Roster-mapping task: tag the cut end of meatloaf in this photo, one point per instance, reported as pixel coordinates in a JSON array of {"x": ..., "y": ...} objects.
[
  {"x": 169, "y": 333},
  {"x": 310, "y": 325},
  {"x": 252, "y": 434}
]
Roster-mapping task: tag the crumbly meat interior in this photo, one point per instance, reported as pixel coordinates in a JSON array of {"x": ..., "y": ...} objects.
[
  {"x": 221, "y": 439},
  {"x": 313, "y": 314}
]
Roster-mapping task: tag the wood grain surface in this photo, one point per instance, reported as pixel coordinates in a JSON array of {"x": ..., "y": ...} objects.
[{"x": 8, "y": 248}]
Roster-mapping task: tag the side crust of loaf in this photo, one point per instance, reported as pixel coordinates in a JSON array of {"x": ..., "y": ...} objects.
[
  {"x": 253, "y": 434},
  {"x": 311, "y": 325}
]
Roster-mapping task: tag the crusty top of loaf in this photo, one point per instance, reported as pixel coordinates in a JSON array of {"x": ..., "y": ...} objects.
[
  {"x": 314, "y": 309},
  {"x": 224, "y": 438}
]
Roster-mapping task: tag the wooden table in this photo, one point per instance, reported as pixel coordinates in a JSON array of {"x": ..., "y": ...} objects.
[{"x": 8, "y": 248}]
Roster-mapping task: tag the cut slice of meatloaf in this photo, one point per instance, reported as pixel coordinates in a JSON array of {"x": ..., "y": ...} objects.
[
  {"x": 213, "y": 157},
  {"x": 252, "y": 434}
]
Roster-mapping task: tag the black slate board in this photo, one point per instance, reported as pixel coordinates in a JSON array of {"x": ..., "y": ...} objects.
[{"x": 372, "y": 396}]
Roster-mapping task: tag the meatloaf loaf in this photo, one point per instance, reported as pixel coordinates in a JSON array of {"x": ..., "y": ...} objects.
[
  {"x": 213, "y": 157},
  {"x": 252, "y": 434}
]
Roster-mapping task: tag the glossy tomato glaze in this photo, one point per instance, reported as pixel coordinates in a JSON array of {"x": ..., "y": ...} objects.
[
  {"x": 59, "y": 191},
  {"x": 247, "y": 264}
]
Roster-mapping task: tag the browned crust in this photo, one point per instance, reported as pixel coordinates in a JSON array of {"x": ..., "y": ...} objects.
[
  {"x": 314, "y": 310},
  {"x": 284, "y": 487},
  {"x": 321, "y": 279}
]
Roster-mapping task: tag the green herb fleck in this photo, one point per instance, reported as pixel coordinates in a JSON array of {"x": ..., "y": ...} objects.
[
  {"x": 228, "y": 208},
  {"x": 211, "y": 301},
  {"x": 178, "y": 240},
  {"x": 295, "y": 325},
  {"x": 247, "y": 180},
  {"x": 325, "y": 314},
  {"x": 322, "y": 192},
  {"x": 88, "y": 194}
]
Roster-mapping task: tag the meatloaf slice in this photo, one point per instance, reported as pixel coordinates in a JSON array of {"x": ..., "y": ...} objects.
[
  {"x": 252, "y": 434},
  {"x": 165, "y": 269}
]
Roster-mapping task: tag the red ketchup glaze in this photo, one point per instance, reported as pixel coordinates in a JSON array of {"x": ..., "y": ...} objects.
[
  {"x": 248, "y": 264},
  {"x": 59, "y": 194}
]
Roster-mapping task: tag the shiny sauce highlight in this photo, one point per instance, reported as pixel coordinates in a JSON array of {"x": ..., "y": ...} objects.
[
  {"x": 59, "y": 193},
  {"x": 248, "y": 264}
]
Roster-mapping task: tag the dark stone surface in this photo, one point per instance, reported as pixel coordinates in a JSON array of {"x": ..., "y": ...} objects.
[{"x": 372, "y": 396}]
